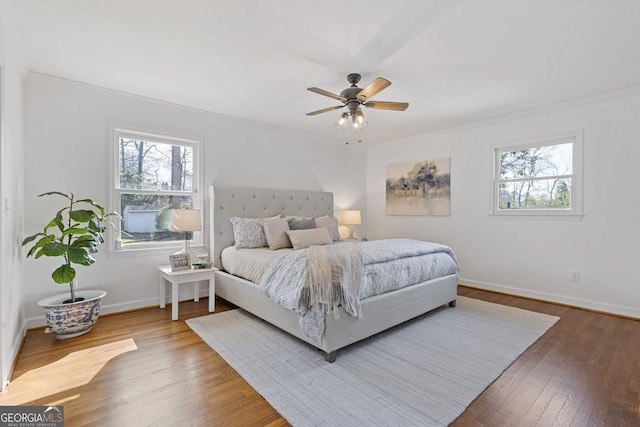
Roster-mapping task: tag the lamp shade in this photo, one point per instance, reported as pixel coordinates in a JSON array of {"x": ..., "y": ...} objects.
[
  {"x": 351, "y": 217},
  {"x": 185, "y": 220}
]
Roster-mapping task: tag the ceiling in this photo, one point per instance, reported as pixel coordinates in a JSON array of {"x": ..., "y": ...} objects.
[{"x": 454, "y": 61}]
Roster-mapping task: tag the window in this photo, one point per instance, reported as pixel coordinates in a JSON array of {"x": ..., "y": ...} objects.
[
  {"x": 539, "y": 177},
  {"x": 153, "y": 174}
]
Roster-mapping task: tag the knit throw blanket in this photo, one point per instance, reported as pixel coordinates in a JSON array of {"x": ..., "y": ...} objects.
[
  {"x": 333, "y": 279},
  {"x": 314, "y": 282}
]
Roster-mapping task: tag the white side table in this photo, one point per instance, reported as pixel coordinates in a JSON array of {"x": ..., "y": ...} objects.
[{"x": 186, "y": 276}]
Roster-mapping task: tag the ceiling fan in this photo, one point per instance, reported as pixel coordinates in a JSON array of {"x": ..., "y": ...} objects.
[{"x": 353, "y": 97}]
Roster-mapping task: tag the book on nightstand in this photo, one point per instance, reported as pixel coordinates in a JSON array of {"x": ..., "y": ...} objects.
[{"x": 201, "y": 265}]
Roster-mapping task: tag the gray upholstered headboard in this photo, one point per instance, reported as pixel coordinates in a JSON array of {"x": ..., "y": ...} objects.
[{"x": 248, "y": 202}]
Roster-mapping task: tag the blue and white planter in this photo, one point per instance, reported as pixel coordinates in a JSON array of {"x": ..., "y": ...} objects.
[{"x": 72, "y": 319}]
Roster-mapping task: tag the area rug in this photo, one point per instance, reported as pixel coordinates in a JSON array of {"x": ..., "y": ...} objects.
[{"x": 424, "y": 372}]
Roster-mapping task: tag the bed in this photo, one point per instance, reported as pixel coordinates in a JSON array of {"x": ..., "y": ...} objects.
[{"x": 378, "y": 313}]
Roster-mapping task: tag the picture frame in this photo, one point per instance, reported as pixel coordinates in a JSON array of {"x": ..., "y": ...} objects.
[
  {"x": 179, "y": 262},
  {"x": 419, "y": 188}
]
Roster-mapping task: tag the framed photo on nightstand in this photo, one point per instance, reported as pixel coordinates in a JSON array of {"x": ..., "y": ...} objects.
[{"x": 179, "y": 262}]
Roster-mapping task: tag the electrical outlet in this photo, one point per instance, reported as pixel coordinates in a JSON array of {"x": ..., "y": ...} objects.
[{"x": 575, "y": 276}]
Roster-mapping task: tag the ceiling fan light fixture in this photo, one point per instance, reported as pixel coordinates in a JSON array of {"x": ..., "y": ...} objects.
[
  {"x": 358, "y": 123},
  {"x": 353, "y": 97},
  {"x": 353, "y": 122},
  {"x": 342, "y": 121}
]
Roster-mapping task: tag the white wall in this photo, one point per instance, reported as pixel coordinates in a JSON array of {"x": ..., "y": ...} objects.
[
  {"x": 67, "y": 132},
  {"x": 12, "y": 71},
  {"x": 534, "y": 258}
]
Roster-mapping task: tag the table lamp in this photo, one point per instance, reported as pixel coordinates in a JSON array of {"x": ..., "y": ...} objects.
[
  {"x": 186, "y": 221},
  {"x": 351, "y": 218}
]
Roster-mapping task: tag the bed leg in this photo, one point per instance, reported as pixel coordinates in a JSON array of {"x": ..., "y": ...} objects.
[
  {"x": 452, "y": 303},
  {"x": 331, "y": 357}
]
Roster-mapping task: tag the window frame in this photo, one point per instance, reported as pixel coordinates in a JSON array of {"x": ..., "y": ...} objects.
[
  {"x": 115, "y": 242},
  {"x": 576, "y": 137}
]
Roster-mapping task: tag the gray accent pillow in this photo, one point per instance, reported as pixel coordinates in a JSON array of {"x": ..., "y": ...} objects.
[
  {"x": 331, "y": 223},
  {"x": 275, "y": 231},
  {"x": 300, "y": 223},
  {"x": 248, "y": 233},
  {"x": 301, "y": 239}
]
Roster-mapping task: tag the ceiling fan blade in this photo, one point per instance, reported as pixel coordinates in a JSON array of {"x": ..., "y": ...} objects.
[
  {"x": 374, "y": 87},
  {"x": 385, "y": 105},
  {"x": 326, "y": 93},
  {"x": 313, "y": 113}
]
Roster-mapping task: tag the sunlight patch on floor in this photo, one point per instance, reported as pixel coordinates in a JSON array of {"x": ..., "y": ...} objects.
[{"x": 73, "y": 370}]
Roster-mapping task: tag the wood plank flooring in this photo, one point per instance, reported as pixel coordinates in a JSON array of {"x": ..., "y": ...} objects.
[{"x": 140, "y": 368}]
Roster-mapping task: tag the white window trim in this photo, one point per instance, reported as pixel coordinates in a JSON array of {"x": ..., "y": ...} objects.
[
  {"x": 573, "y": 214},
  {"x": 113, "y": 238}
]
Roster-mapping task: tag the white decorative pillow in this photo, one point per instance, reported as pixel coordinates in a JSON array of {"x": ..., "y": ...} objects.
[
  {"x": 275, "y": 231},
  {"x": 248, "y": 232},
  {"x": 331, "y": 223},
  {"x": 301, "y": 239}
]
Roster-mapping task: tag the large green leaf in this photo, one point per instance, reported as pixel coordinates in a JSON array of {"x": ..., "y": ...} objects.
[
  {"x": 92, "y": 203},
  {"x": 75, "y": 230},
  {"x": 97, "y": 226},
  {"x": 80, "y": 256},
  {"x": 88, "y": 241},
  {"x": 54, "y": 192},
  {"x": 31, "y": 238},
  {"x": 55, "y": 249},
  {"x": 98, "y": 236},
  {"x": 64, "y": 274},
  {"x": 59, "y": 220},
  {"x": 82, "y": 215},
  {"x": 39, "y": 244}
]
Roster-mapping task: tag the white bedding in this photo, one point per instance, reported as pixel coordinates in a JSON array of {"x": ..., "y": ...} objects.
[
  {"x": 383, "y": 270},
  {"x": 250, "y": 264}
]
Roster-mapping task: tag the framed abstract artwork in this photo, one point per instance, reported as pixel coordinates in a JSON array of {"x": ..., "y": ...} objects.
[{"x": 419, "y": 188}]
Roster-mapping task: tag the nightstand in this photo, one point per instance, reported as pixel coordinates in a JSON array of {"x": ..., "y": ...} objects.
[{"x": 176, "y": 278}]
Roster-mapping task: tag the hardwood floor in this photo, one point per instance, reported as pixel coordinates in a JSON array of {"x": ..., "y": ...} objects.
[{"x": 140, "y": 368}]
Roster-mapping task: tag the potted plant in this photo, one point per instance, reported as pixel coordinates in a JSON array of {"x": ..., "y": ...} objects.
[{"x": 74, "y": 233}]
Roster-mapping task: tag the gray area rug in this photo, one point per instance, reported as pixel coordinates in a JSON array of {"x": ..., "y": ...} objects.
[{"x": 422, "y": 373}]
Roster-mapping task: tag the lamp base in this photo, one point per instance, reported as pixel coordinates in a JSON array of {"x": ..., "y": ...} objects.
[
  {"x": 351, "y": 229},
  {"x": 187, "y": 250}
]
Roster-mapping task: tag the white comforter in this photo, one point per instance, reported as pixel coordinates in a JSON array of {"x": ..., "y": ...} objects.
[
  {"x": 250, "y": 264},
  {"x": 386, "y": 265}
]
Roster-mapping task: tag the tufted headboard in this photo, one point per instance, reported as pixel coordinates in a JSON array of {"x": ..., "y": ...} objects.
[{"x": 249, "y": 202}]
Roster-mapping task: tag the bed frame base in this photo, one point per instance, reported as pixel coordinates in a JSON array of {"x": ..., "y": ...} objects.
[{"x": 379, "y": 312}]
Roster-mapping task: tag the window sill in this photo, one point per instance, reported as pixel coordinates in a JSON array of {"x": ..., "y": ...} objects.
[
  {"x": 538, "y": 217},
  {"x": 150, "y": 250}
]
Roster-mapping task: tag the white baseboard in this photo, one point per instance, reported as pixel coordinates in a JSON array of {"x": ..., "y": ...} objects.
[{"x": 560, "y": 299}]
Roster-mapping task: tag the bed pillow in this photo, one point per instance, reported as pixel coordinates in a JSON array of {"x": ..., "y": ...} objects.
[
  {"x": 275, "y": 231},
  {"x": 301, "y": 223},
  {"x": 330, "y": 223},
  {"x": 301, "y": 239},
  {"x": 248, "y": 233}
]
